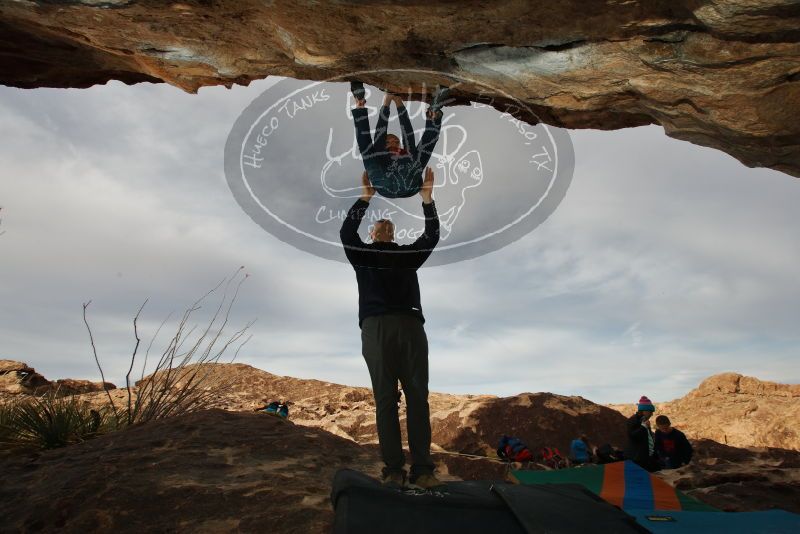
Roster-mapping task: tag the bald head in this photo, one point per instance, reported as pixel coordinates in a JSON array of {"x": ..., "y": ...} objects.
[{"x": 382, "y": 230}]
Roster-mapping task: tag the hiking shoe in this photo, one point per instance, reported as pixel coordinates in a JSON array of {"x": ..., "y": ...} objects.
[
  {"x": 357, "y": 88},
  {"x": 426, "y": 481},
  {"x": 272, "y": 408},
  {"x": 283, "y": 411},
  {"x": 394, "y": 479}
]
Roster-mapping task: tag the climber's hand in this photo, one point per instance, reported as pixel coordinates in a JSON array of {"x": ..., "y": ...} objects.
[
  {"x": 367, "y": 191},
  {"x": 426, "y": 192}
]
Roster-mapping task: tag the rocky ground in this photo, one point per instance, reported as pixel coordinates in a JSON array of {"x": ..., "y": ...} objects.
[
  {"x": 740, "y": 479},
  {"x": 229, "y": 468},
  {"x": 221, "y": 471},
  {"x": 211, "y": 471}
]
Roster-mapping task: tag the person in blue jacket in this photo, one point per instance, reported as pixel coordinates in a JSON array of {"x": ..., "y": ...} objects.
[
  {"x": 395, "y": 171},
  {"x": 579, "y": 451}
]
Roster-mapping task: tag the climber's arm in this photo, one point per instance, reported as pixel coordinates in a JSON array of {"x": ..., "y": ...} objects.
[{"x": 424, "y": 244}]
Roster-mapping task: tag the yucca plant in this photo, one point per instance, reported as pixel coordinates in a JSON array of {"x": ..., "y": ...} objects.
[
  {"x": 6, "y": 411},
  {"x": 50, "y": 421},
  {"x": 180, "y": 382}
]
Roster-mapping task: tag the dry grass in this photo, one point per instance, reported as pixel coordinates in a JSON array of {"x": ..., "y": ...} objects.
[{"x": 178, "y": 383}]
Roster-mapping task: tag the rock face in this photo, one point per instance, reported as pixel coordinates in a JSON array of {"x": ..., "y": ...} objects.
[
  {"x": 538, "y": 419},
  {"x": 718, "y": 73},
  {"x": 18, "y": 378},
  {"x": 737, "y": 410}
]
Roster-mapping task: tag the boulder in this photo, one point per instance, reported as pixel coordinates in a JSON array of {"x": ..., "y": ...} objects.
[
  {"x": 20, "y": 378},
  {"x": 68, "y": 386},
  {"x": 718, "y": 73}
]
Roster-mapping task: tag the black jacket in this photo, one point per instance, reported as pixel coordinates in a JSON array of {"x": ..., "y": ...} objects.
[
  {"x": 638, "y": 448},
  {"x": 386, "y": 271},
  {"x": 673, "y": 449}
]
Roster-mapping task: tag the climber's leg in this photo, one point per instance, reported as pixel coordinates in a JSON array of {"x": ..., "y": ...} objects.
[
  {"x": 430, "y": 137},
  {"x": 407, "y": 129},
  {"x": 373, "y": 152},
  {"x": 433, "y": 126},
  {"x": 363, "y": 133},
  {"x": 381, "y": 129}
]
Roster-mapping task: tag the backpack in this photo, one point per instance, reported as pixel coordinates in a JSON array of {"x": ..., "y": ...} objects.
[
  {"x": 513, "y": 450},
  {"x": 606, "y": 454},
  {"x": 552, "y": 458}
]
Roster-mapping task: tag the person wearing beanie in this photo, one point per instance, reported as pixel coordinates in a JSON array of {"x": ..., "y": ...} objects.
[{"x": 641, "y": 441}]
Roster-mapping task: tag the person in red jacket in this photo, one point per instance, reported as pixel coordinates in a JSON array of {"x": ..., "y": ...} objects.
[{"x": 672, "y": 447}]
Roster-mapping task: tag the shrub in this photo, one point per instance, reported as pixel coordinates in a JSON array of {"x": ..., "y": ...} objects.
[
  {"x": 179, "y": 382},
  {"x": 50, "y": 421}
]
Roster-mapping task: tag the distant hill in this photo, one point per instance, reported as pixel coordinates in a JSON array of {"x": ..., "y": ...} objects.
[
  {"x": 470, "y": 424},
  {"x": 736, "y": 410}
]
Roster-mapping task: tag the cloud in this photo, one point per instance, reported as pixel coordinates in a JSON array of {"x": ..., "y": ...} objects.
[{"x": 665, "y": 263}]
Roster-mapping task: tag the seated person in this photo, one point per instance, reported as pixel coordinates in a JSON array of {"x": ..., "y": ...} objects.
[
  {"x": 579, "y": 451},
  {"x": 672, "y": 447}
]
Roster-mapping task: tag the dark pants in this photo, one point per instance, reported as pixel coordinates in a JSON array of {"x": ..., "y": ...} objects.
[
  {"x": 650, "y": 464},
  {"x": 394, "y": 176},
  {"x": 395, "y": 347}
]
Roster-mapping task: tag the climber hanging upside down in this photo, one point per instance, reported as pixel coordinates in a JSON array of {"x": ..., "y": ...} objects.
[{"x": 395, "y": 171}]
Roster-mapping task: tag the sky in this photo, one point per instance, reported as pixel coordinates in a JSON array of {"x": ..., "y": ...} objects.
[{"x": 665, "y": 263}]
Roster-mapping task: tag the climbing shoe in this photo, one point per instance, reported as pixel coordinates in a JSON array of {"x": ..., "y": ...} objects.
[
  {"x": 357, "y": 88},
  {"x": 272, "y": 408},
  {"x": 426, "y": 481},
  {"x": 394, "y": 479},
  {"x": 439, "y": 98},
  {"x": 283, "y": 411}
]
